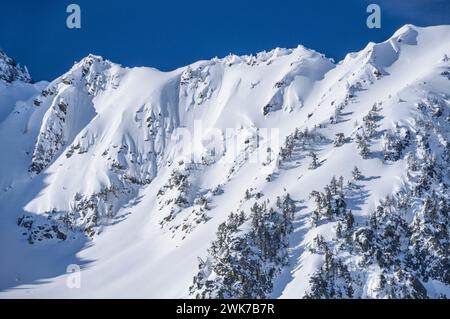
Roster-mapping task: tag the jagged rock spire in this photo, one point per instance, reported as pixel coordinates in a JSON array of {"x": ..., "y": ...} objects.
[{"x": 11, "y": 71}]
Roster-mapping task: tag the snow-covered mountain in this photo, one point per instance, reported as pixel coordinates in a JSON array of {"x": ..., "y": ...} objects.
[
  {"x": 10, "y": 71},
  {"x": 278, "y": 175}
]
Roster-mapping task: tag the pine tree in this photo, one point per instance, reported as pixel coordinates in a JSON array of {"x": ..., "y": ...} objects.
[
  {"x": 363, "y": 146},
  {"x": 339, "y": 230},
  {"x": 339, "y": 139},
  {"x": 394, "y": 142},
  {"x": 287, "y": 207},
  {"x": 286, "y": 151},
  {"x": 349, "y": 221},
  {"x": 356, "y": 173},
  {"x": 315, "y": 217},
  {"x": 314, "y": 161}
]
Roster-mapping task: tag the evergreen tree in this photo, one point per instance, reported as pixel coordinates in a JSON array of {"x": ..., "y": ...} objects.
[
  {"x": 286, "y": 151},
  {"x": 394, "y": 142},
  {"x": 339, "y": 230},
  {"x": 363, "y": 146},
  {"x": 339, "y": 139},
  {"x": 349, "y": 221},
  {"x": 314, "y": 161},
  {"x": 356, "y": 173}
]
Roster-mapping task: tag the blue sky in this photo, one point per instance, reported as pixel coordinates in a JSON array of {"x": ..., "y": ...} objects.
[{"x": 167, "y": 34}]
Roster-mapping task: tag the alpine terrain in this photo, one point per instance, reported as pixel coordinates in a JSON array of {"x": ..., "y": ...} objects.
[{"x": 276, "y": 175}]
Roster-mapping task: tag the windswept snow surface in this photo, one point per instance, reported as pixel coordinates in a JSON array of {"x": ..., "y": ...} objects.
[{"x": 97, "y": 145}]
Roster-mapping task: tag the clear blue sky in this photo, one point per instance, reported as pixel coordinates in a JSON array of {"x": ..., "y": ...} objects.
[{"x": 167, "y": 34}]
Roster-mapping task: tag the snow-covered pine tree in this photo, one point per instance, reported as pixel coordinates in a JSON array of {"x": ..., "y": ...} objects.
[
  {"x": 369, "y": 121},
  {"x": 362, "y": 145},
  {"x": 339, "y": 139},
  {"x": 394, "y": 142},
  {"x": 356, "y": 173},
  {"x": 314, "y": 160}
]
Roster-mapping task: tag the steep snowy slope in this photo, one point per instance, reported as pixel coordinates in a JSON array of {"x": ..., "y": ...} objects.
[
  {"x": 132, "y": 174},
  {"x": 15, "y": 90}
]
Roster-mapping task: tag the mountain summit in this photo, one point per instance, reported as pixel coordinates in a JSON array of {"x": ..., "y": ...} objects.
[{"x": 11, "y": 71}]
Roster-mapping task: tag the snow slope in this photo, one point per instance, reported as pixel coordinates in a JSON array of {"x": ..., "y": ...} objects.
[{"x": 96, "y": 171}]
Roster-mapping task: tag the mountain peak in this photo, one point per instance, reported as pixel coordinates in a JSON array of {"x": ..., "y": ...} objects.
[
  {"x": 90, "y": 58},
  {"x": 11, "y": 71},
  {"x": 88, "y": 61},
  {"x": 406, "y": 28},
  {"x": 407, "y": 34}
]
